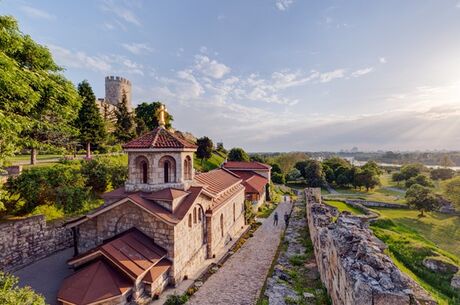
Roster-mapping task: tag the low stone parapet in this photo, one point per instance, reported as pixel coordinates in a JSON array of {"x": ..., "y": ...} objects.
[
  {"x": 27, "y": 240},
  {"x": 352, "y": 262}
]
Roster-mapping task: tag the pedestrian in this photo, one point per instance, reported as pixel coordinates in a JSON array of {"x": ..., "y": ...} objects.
[
  {"x": 286, "y": 219},
  {"x": 275, "y": 219}
]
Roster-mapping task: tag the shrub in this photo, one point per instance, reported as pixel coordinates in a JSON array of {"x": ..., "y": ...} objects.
[
  {"x": 50, "y": 212},
  {"x": 59, "y": 184},
  {"x": 12, "y": 294},
  {"x": 104, "y": 173},
  {"x": 175, "y": 299},
  {"x": 278, "y": 178}
]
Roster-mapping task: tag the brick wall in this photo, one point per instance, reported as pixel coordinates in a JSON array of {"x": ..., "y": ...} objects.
[{"x": 27, "y": 240}]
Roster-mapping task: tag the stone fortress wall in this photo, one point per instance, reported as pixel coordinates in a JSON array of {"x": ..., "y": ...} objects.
[
  {"x": 27, "y": 240},
  {"x": 351, "y": 260},
  {"x": 115, "y": 86}
]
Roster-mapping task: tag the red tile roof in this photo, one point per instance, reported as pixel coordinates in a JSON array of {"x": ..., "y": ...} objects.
[
  {"x": 96, "y": 282},
  {"x": 217, "y": 180},
  {"x": 168, "y": 194},
  {"x": 156, "y": 271},
  {"x": 241, "y": 165},
  {"x": 159, "y": 138},
  {"x": 132, "y": 252},
  {"x": 253, "y": 182}
]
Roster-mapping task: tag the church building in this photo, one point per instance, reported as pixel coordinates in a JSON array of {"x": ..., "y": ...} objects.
[{"x": 158, "y": 229}]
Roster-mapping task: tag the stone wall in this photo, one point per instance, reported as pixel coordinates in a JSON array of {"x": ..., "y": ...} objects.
[
  {"x": 352, "y": 263},
  {"x": 27, "y": 240}
]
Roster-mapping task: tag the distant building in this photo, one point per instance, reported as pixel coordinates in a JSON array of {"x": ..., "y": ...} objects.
[{"x": 115, "y": 87}]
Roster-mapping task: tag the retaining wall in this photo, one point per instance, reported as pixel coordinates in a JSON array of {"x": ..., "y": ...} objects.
[
  {"x": 24, "y": 241},
  {"x": 351, "y": 260}
]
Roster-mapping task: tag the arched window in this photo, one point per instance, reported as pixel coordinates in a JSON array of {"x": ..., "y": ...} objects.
[
  {"x": 166, "y": 167},
  {"x": 141, "y": 169},
  {"x": 190, "y": 220},
  {"x": 194, "y": 216},
  {"x": 234, "y": 218},
  {"x": 188, "y": 168},
  {"x": 222, "y": 225},
  {"x": 200, "y": 214},
  {"x": 144, "y": 170}
]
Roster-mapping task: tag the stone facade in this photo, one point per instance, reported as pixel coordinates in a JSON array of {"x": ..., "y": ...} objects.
[
  {"x": 352, "y": 263},
  {"x": 121, "y": 218},
  {"x": 27, "y": 240},
  {"x": 155, "y": 161},
  {"x": 115, "y": 86}
]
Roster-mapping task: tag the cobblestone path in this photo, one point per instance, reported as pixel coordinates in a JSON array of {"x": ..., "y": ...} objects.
[{"x": 241, "y": 278}]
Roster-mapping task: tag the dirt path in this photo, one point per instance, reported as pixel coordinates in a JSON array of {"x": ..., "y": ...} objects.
[{"x": 242, "y": 277}]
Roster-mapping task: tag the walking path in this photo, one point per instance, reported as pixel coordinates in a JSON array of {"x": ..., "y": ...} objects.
[{"x": 241, "y": 278}]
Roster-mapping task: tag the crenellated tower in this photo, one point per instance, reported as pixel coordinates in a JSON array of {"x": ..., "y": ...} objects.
[{"x": 115, "y": 86}]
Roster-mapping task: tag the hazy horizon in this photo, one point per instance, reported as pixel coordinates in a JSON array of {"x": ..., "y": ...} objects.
[{"x": 281, "y": 75}]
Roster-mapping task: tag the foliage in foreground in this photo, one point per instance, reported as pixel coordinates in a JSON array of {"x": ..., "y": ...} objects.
[
  {"x": 12, "y": 294},
  {"x": 410, "y": 248},
  {"x": 175, "y": 299}
]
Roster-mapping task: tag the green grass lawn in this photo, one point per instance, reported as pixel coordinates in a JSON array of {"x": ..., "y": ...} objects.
[
  {"x": 214, "y": 162},
  {"x": 441, "y": 229},
  {"x": 410, "y": 239},
  {"x": 342, "y": 206}
]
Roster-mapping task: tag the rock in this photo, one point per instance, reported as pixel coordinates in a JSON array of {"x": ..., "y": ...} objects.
[
  {"x": 438, "y": 264},
  {"x": 455, "y": 282},
  {"x": 198, "y": 284},
  {"x": 309, "y": 296}
]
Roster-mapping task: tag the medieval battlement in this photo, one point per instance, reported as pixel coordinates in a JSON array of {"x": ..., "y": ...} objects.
[{"x": 119, "y": 79}]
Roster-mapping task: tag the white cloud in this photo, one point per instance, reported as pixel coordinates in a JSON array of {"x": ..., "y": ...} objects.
[
  {"x": 137, "y": 48},
  {"x": 362, "y": 72},
  {"x": 110, "y": 63},
  {"x": 78, "y": 59},
  {"x": 120, "y": 12},
  {"x": 382, "y": 60},
  {"x": 36, "y": 13},
  {"x": 211, "y": 68},
  {"x": 328, "y": 76},
  {"x": 283, "y": 5}
]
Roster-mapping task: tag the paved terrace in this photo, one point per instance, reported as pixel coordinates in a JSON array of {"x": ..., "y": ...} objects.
[{"x": 241, "y": 278}]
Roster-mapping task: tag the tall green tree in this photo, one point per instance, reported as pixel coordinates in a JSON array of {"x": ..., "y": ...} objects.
[
  {"x": 421, "y": 198},
  {"x": 204, "y": 150},
  {"x": 238, "y": 154},
  {"x": 124, "y": 127},
  {"x": 89, "y": 121},
  {"x": 37, "y": 104},
  {"x": 147, "y": 115}
]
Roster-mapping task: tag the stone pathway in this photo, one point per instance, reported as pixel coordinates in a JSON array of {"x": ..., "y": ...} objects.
[
  {"x": 295, "y": 278},
  {"x": 241, "y": 278}
]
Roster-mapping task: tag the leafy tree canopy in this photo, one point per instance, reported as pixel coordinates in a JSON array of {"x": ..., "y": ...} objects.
[
  {"x": 238, "y": 154},
  {"x": 421, "y": 198},
  {"x": 12, "y": 294},
  {"x": 451, "y": 190},
  {"x": 147, "y": 113},
  {"x": 37, "y": 104},
  {"x": 411, "y": 170},
  {"x": 442, "y": 173},
  {"x": 124, "y": 128},
  {"x": 205, "y": 146}
]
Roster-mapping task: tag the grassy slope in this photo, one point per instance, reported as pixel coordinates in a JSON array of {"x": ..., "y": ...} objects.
[
  {"x": 342, "y": 206},
  {"x": 411, "y": 239},
  {"x": 214, "y": 162}
]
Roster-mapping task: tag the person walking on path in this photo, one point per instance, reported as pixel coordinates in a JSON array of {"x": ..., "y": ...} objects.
[
  {"x": 275, "y": 219},
  {"x": 286, "y": 219}
]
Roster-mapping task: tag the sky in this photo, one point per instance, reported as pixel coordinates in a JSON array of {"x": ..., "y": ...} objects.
[{"x": 271, "y": 75}]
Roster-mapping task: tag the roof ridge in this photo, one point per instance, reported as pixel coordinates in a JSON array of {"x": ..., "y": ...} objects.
[{"x": 155, "y": 138}]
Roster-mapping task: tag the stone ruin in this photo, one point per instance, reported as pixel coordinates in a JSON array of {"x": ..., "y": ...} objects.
[{"x": 352, "y": 262}]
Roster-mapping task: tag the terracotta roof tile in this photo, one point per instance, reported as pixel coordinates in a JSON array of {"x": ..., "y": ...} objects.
[
  {"x": 159, "y": 138},
  {"x": 168, "y": 194},
  {"x": 253, "y": 165},
  {"x": 217, "y": 180},
  {"x": 253, "y": 182},
  {"x": 96, "y": 282},
  {"x": 156, "y": 271}
]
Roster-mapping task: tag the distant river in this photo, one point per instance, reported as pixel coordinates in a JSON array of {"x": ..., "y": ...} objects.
[{"x": 360, "y": 163}]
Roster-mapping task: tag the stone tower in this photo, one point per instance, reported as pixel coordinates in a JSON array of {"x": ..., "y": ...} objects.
[{"x": 114, "y": 88}]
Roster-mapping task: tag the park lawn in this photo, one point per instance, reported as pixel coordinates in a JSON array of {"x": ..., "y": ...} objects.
[
  {"x": 441, "y": 229},
  {"x": 411, "y": 239},
  {"x": 17, "y": 158},
  {"x": 342, "y": 206},
  {"x": 377, "y": 194},
  {"x": 214, "y": 162}
]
